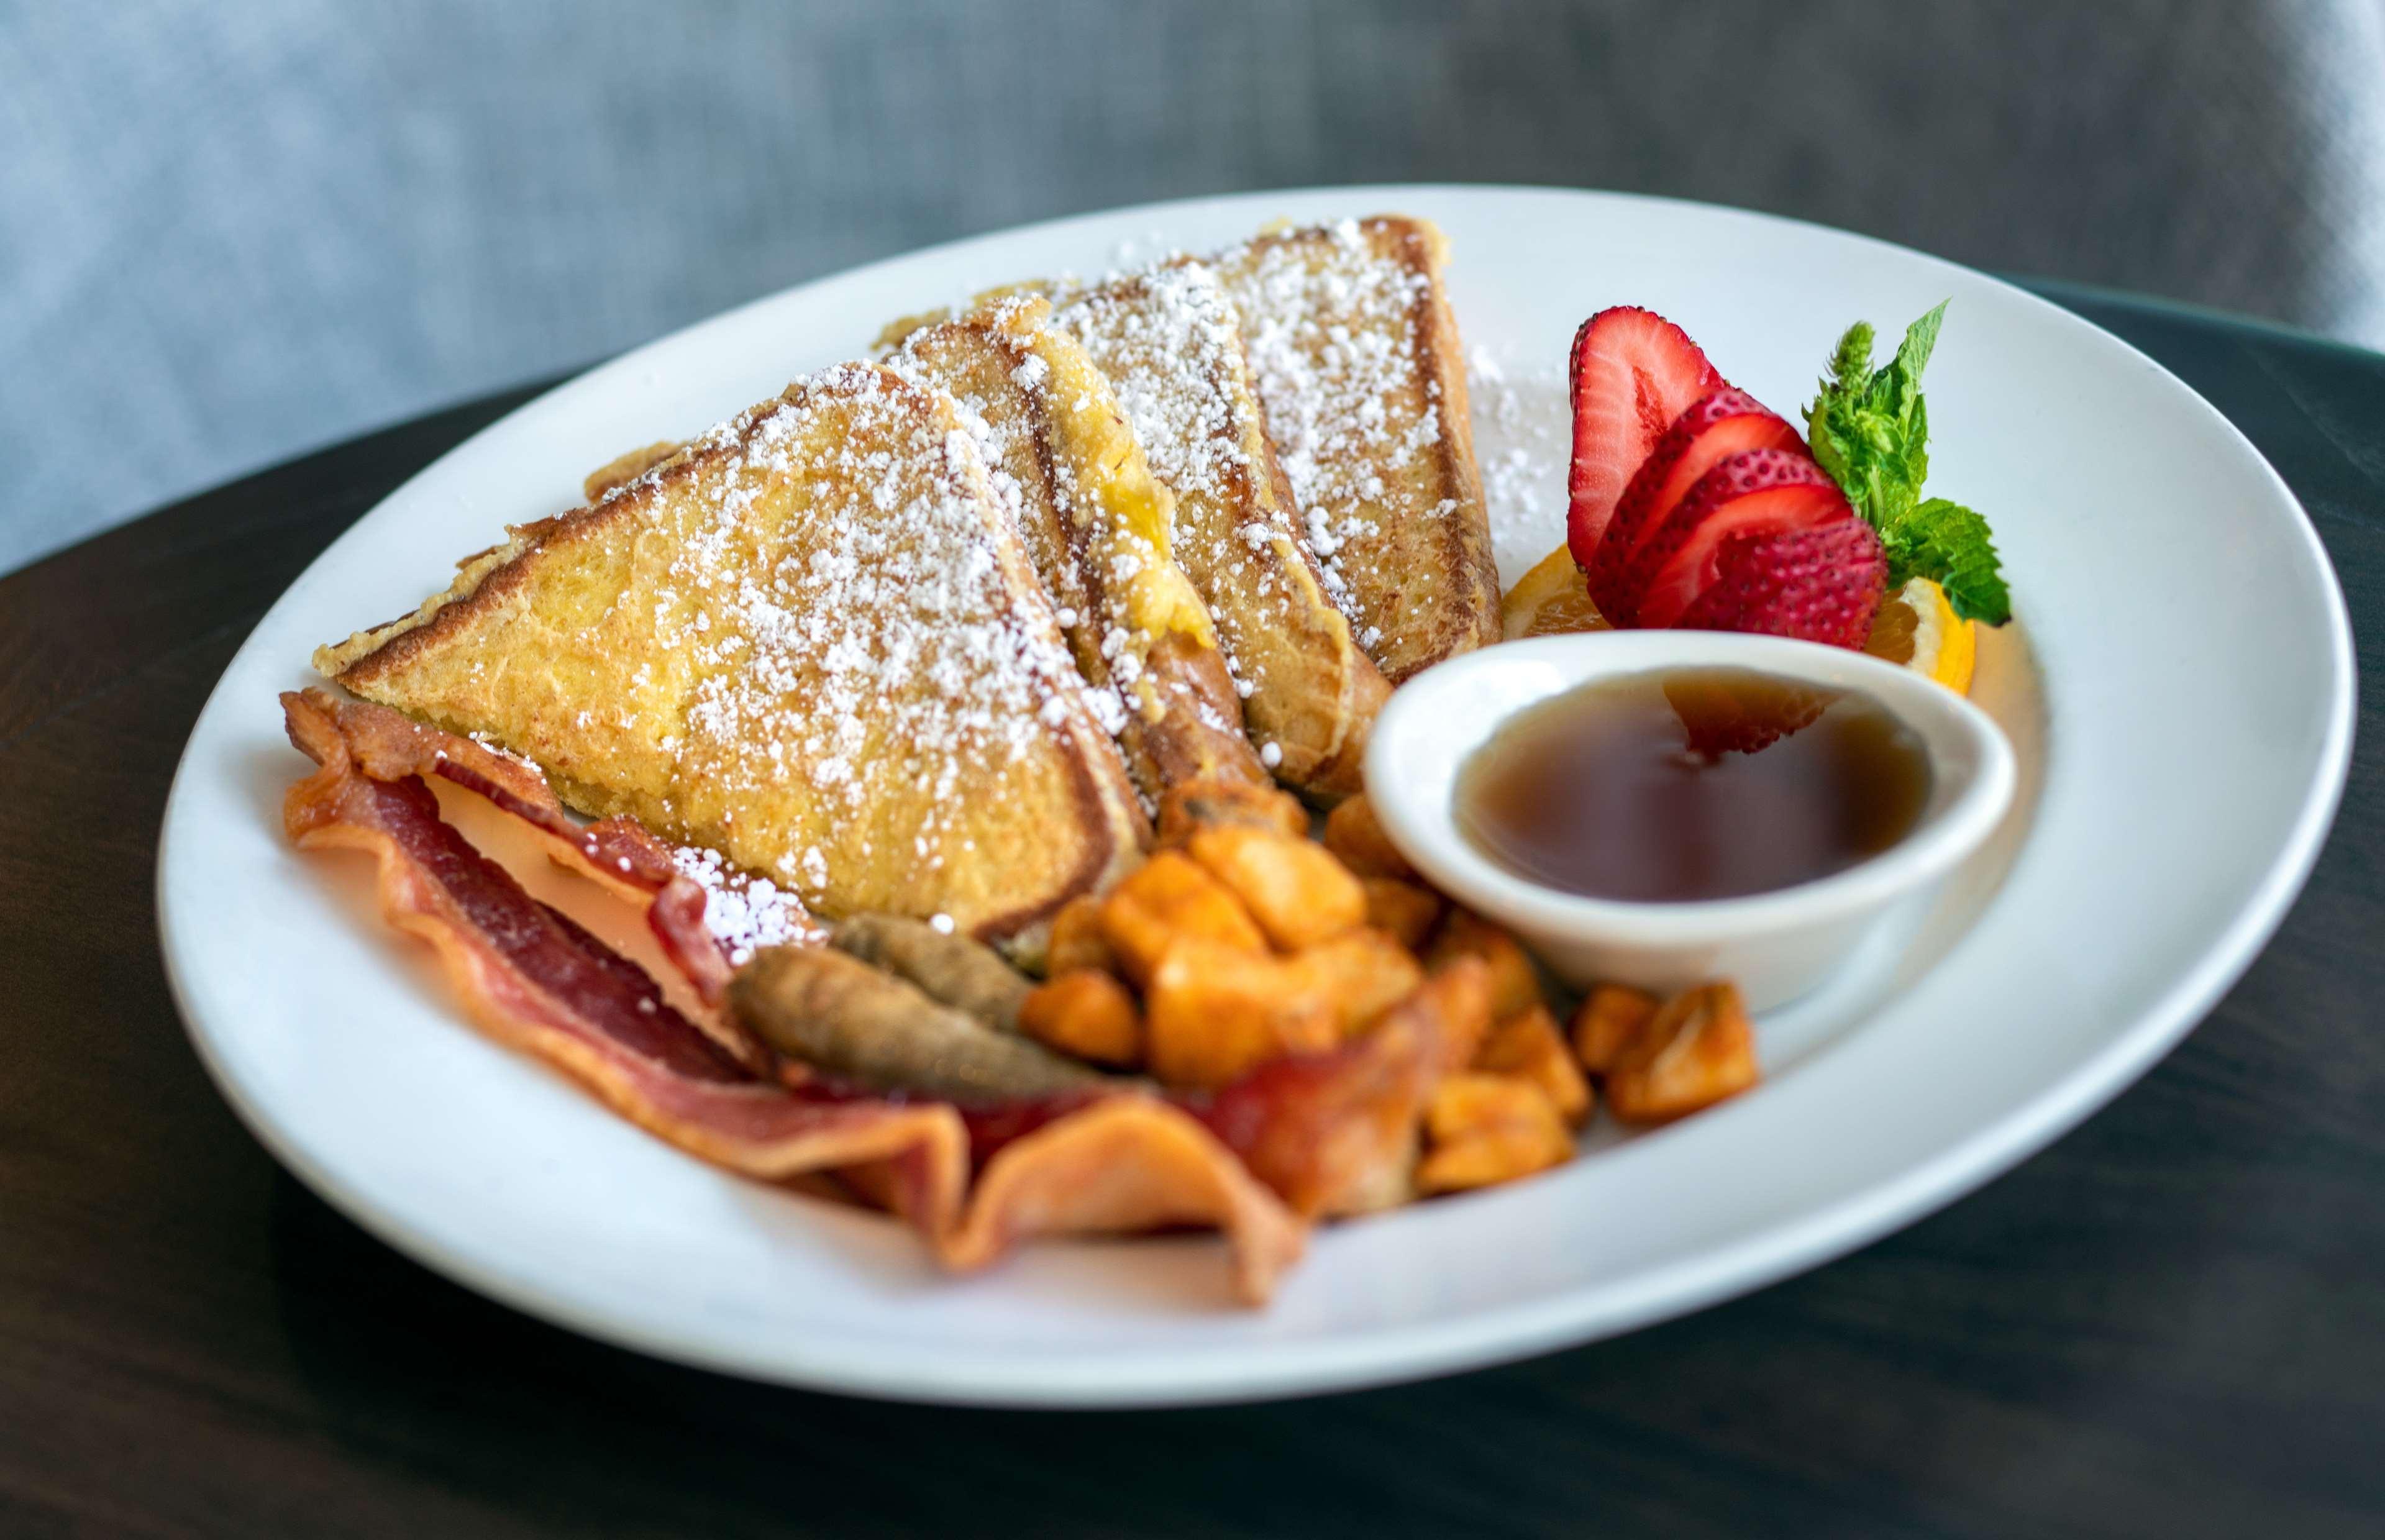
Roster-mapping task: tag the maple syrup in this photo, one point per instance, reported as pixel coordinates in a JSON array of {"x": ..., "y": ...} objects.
[{"x": 1692, "y": 783}]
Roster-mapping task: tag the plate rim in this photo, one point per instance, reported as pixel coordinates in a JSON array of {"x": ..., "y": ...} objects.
[{"x": 1482, "y": 1337}]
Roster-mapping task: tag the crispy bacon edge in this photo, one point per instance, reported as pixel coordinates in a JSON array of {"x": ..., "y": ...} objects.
[
  {"x": 618, "y": 853},
  {"x": 534, "y": 980}
]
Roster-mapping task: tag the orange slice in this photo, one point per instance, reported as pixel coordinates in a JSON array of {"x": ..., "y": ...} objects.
[
  {"x": 1549, "y": 600},
  {"x": 1915, "y": 626},
  {"x": 1918, "y": 628}
]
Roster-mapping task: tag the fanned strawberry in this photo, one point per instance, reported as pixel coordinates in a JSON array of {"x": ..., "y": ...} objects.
[
  {"x": 1716, "y": 426},
  {"x": 1756, "y": 493},
  {"x": 1631, "y": 374},
  {"x": 1821, "y": 584}
]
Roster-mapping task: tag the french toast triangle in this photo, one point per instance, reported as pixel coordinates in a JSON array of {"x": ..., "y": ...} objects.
[
  {"x": 810, "y": 639},
  {"x": 1168, "y": 341},
  {"x": 1356, "y": 361},
  {"x": 1099, "y": 527}
]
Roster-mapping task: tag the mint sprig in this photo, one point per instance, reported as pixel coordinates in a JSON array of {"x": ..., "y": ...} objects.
[
  {"x": 1948, "y": 543},
  {"x": 1871, "y": 430}
]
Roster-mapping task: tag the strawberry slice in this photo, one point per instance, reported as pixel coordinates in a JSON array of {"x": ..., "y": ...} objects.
[
  {"x": 1821, "y": 584},
  {"x": 1716, "y": 426},
  {"x": 1633, "y": 372},
  {"x": 1756, "y": 493}
]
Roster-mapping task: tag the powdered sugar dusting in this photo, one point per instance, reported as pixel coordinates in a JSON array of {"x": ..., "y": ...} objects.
[
  {"x": 858, "y": 645},
  {"x": 1164, "y": 337},
  {"x": 1522, "y": 440},
  {"x": 1169, "y": 341},
  {"x": 747, "y": 912},
  {"x": 1330, "y": 326},
  {"x": 1005, "y": 440}
]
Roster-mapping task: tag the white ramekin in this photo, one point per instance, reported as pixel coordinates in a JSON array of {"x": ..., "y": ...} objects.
[{"x": 1776, "y": 946}]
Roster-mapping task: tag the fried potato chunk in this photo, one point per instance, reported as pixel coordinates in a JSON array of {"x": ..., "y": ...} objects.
[
  {"x": 1077, "y": 939},
  {"x": 1087, "y": 1013},
  {"x": 1409, "y": 911},
  {"x": 1214, "y": 1009},
  {"x": 1515, "y": 984},
  {"x": 1698, "y": 1050},
  {"x": 1356, "y": 838},
  {"x": 1293, "y": 887},
  {"x": 1488, "y": 1129},
  {"x": 1610, "y": 1018},
  {"x": 1363, "y": 974},
  {"x": 1529, "y": 1048},
  {"x": 1459, "y": 991},
  {"x": 1198, "y": 805},
  {"x": 1168, "y": 899}
]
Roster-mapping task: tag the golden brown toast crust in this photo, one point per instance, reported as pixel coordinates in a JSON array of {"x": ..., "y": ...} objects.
[
  {"x": 1169, "y": 341},
  {"x": 1097, "y": 525},
  {"x": 1358, "y": 363},
  {"x": 621, "y": 469},
  {"x": 810, "y": 641},
  {"x": 976, "y": 362}
]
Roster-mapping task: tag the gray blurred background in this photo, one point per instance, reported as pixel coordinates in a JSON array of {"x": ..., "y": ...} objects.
[{"x": 229, "y": 232}]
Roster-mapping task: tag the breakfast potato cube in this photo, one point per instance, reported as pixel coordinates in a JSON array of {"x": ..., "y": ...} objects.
[
  {"x": 1487, "y": 1128},
  {"x": 1408, "y": 910},
  {"x": 1459, "y": 993},
  {"x": 1214, "y": 1009},
  {"x": 1698, "y": 1050},
  {"x": 1529, "y": 1048},
  {"x": 1077, "y": 940},
  {"x": 1086, "y": 1012},
  {"x": 1295, "y": 888},
  {"x": 1356, "y": 838},
  {"x": 1515, "y": 983},
  {"x": 1198, "y": 805},
  {"x": 1610, "y": 1017},
  {"x": 1169, "y": 897},
  {"x": 1363, "y": 974}
]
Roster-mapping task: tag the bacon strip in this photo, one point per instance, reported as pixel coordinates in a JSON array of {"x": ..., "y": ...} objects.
[
  {"x": 1328, "y": 1133},
  {"x": 1126, "y": 1163},
  {"x": 1335, "y": 1132},
  {"x": 534, "y": 980},
  {"x": 618, "y": 853},
  {"x": 538, "y": 983}
]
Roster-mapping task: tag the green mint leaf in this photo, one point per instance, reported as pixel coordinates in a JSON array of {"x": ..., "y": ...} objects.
[
  {"x": 1869, "y": 430},
  {"x": 1851, "y": 365},
  {"x": 1866, "y": 426},
  {"x": 1951, "y": 546},
  {"x": 1913, "y": 353},
  {"x": 1838, "y": 425}
]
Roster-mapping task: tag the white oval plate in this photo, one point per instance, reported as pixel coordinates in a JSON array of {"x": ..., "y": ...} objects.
[{"x": 2185, "y": 754}]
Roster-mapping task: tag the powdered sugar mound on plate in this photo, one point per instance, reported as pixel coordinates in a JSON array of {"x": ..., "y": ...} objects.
[{"x": 1523, "y": 437}]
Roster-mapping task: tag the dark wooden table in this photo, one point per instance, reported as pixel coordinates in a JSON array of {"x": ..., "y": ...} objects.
[{"x": 2172, "y": 1322}]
